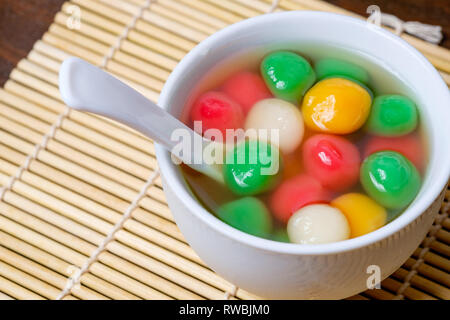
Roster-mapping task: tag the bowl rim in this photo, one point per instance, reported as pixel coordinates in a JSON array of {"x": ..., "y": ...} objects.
[{"x": 172, "y": 176}]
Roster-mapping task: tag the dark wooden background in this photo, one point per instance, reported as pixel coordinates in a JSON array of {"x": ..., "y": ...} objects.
[{"x": 22, "y": 22}]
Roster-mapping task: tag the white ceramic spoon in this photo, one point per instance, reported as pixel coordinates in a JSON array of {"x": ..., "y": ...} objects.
[{"x": 88, "y": 88}]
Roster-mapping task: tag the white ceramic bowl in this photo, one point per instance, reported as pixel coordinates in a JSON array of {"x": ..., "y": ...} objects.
[{"x": 328, "y": 271}]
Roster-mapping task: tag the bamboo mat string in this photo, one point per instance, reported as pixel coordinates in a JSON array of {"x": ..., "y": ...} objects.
[
  {"x": 33, "y": 156},
  {"x": 426, "y": 247},
  {"x": 116, "y": 46},
  {"x": 274, "y": 6},
  {"x": 75, "y": 279},
  {"x": 110, "y": 237},
  {"x": 231, "y": 294}
]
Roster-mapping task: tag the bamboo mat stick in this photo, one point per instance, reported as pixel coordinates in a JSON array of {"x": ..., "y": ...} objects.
[
  {"x": 146, "y": 67},
  {"x": 23, "y": 279},
  {"x": 74, "y": 210},
  {"x": 245, "y": 295},
  {"x": 153, "y": 221},
  {"x": 439, "y": 56},
  {"x": 38, "y": 271},
  {"x": 155, "y": 45},
  {"x": 127, "y": 59},
  {"x": 95, "y": 59},
  {"x": 46, "y": 116},
  {"x": 72, "y": 49},
  {"x": 145, "y": 90},
  {"x": 119, "y": 69},
  {"x": 109, "y": 39},
  {"x": 440, "y": 60},
  {"x": 12, "y": 86},
  {"x": 96, "y": 224},
  {"x": 60, "y": 266},
  {"x": 84, "y": 174},
  {"x": 178, "y": 17},
  {"x": 106, "y": 24},
  {"x": 102, "y": 36},
  {"x": 261, "y": 7},
  {"x": 439, "y": 63},
  {"x": 164, "y": 35},
  {"x": 34, "y": 69},
  {"x": 130, "y": 268},
  {"x": 446, "y": 223},
  {"x": 105, "y": 268},
  {"x": 194, "y": 14},
  {"x": 82, "y": 159},
  {"x": 33, "y": 82},
  {"x": 48, "y": 101},
  {"x": 107, "y": 11},
  {"x": 93, "y": 193},
  {"x": 88, "y": 176},
  {"x": 379, "y": 294},
  {"x": 4, "y": 296},
  {"x": 428, "y": 48},
  {"x": 110, "y": 12},
  {"x": 445, "y": 76},
  {"x": 122, "y": 251},
  {"x": 429, "y": 272},
  {"x": 24, "y": 95},
  {"x": 125, "y": 71},
  {"x": 17, "y": 291},
  {"x": 136, "y": 76},
  {"x": 147, "y": 54},
  {"x": 166, "y": 256},
  {"x": 126, "y": 171},
  {"x": 42, "y": 114},
  {"x": 241, "y": 10},
  {"x": 224, "y": 15},
  {"x": 235, "y": 8},
  {"x": 123, "y": 6},
  {"x": 92, "y": 44},
  {"x": 123, "y": 236},
  {"x": 434, "y": 259},
  {"x": 43, "y": 60},
  {"x": 122, "y": 150},
  {"x": 441, "y": 248},
  {"x": 424, "y": 284},
  {"x": 168, "y": 18},
  {"x": 410, "y": 293},
  {"x": 157, "y": 59},
  {"x": 357, "y": 297},
  {"x": 443, "y": 236},
  {"x": 47, "y": 75},
  {"x": 174, "y": 27},
  {"x": 445, "y": 69}
]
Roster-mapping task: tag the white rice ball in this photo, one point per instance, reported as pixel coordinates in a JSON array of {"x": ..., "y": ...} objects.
[
  {"x": 280, "y": 115},
  {"x": 318, "y": 223}
]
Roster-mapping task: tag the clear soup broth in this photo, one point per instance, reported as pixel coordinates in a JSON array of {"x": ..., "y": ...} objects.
[{"x": 382, "y": 81}]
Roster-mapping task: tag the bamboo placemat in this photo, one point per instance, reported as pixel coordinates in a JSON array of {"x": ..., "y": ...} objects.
[{"x": 71, "y": 180}]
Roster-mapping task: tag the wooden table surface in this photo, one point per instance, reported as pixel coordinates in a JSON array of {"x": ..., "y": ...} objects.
[{"x": 22, "y": 22}]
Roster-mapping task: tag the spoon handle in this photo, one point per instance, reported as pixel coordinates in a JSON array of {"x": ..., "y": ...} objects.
[{"x": 88, "y": 88}]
